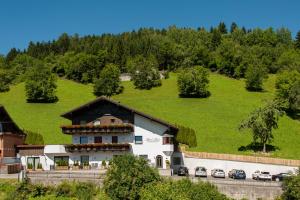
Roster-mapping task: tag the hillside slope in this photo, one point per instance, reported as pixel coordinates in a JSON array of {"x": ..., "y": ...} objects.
[{"x": 215, "y": 119}]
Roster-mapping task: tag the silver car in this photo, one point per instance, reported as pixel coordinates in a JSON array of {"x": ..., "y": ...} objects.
[
  {"x": 218, "y": 173},
  {"x": 200, "y": 172}
]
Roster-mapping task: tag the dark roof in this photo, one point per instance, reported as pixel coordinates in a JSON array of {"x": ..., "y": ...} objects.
[
  {"x": 69, "y": 114},
  {"x": 6, "y": 119}
]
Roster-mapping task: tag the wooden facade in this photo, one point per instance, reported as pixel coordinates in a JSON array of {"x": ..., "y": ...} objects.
[{"x": 10, "y": 135}]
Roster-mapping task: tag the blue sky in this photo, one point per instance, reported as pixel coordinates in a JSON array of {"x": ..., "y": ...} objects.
[{"x": 42, "y": 20}]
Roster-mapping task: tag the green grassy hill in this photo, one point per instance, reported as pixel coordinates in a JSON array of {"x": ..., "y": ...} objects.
[{"x": 215, "y": 119}]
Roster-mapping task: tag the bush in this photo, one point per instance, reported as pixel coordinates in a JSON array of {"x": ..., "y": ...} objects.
[
  {"x": 186, "y": 136},
  {"x": 126, "y": 177},
  {"x": 291, "y": 187},
  {"x": 109, "y": 82},
  {"x": 181, "y": 190},
  {"x": 4, "y": 81},
  {"x": 254, "y": 78},
  {"x": 33, "y": 138},
  {"x": 85, "y": 191},
  {"x": 29, "y": 166},
  {"x": 193, "y": 82},
  {"x": 64, "y": 190}
]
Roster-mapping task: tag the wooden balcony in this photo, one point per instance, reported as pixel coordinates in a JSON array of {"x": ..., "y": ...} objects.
[
  {"x": 97, "y": 147},
  {"x": 94, "y": 129}
]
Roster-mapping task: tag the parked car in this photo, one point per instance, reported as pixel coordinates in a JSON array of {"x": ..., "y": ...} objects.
[
  {"x": 239, "y": 174},
  {"x": 200, "y": 172},
  {"x": 280, "y": 176},
  {"x": 183, "y": 171},
  {"x": 231, "y": 172},
  {"x": 218, "y": 173},
  {"x": 255, "y": 175},
  {"x": 262, "y": 175}
]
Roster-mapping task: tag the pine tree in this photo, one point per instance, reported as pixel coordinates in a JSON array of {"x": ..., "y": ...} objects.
[
  {"x": 233, "y": 27},
  {"x": 297, "y": 43},
  {"x": 222, "y": 28}
]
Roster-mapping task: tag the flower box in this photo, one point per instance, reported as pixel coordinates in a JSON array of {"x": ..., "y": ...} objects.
[{"x": 61, "y": 167}]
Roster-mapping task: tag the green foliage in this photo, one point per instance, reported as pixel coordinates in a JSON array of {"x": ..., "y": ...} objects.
[
  {"x": 181, "y": 190},
  {"x": 29, "y": 166},
  {"x": 103, "y": 163},
  {"x": 262, "y": 122},
  {"x": 288, "y": 90},
  {"x": 4, "y": 81},
  {"x": 144, "y": 72},
  {"x": 33, "y": 138},
  {"x": 255, "y": 75},
  {"x": 40, "y": 85},
  {"x": 289, "y": 60},
  {"x": 127, "y": 176},
  {"x": 85, "y": 191},
  {"x": 39, "y": 166},
  {"x": 297, "y": 43},
  {"x": 193, "y": 82},
  {"x": 186, "y": 136},
  {"x": 64, "y": 163},
  {"x": 109, "y": 82},
  {"x": 291, "y": 188}
]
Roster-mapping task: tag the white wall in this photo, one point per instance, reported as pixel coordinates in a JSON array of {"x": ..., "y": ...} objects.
[
  {"x": 249, "y": 168},
  {"x": 152, "y": 133}
]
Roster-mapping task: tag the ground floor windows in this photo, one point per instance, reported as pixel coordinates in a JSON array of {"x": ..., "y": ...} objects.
[
  {"x": 61, "y": 160},
  {"x": 84, "y": 160},
  {"x": 159, "y": 161},
  {"x": 33, "y": 163}
]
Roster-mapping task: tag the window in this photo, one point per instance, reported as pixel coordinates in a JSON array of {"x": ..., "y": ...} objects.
[
  {"x": 84, "y": 159},
  {"x": 114, "y": 139},
  {"x": 112, "y": 121},
  {"x": 138, "y": 139},
  {"x": 167, "y": 140},
  {"x": 98, "y": 139},
  {"x": 176, "y": 161},
  {"x": 62, "y": 160},
  {"x": 159, "y": 159},
  {"x": 83, "y": 139}
]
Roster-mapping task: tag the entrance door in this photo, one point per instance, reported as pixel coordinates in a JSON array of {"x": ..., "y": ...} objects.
[
  {"x": 159, "y": 163},
  {"x": 33, "y": 162}
]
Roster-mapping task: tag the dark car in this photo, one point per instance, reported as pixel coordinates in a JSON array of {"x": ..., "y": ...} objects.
[
  {"x": 280, "y": 176},
  {"x": 183, "y": 171},
  {"x": 239, "y": 174}
]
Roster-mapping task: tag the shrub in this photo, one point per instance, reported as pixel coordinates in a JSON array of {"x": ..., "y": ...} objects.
[
  {"x": 29, "y": 166},
  {"x": 254, "y": 78},
  {"x": 39, "y": 166},
  {"x": 64, "y": 190},
  {"x": 193, "y": 82},
  {"x": 103, "y": 163},
  {"x": 291, "y": 188},
  {"x": 186, "y": 136},
  {"x": 33, "y": 138},
  {"x": 85, "y": 191},
  {"x": 62, "y": 163},
  {"x": 127, "y": 176},
  {"x": 4, "y": 81},
  {"x": 181, "y": 190}
]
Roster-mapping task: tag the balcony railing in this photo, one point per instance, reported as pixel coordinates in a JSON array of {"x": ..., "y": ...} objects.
[
  {"x": 88, "y": 129},
  {"x": 97, "y": 147}
]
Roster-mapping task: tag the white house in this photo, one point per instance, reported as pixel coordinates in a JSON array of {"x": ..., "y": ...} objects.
[{"x": 102, "y": 129}]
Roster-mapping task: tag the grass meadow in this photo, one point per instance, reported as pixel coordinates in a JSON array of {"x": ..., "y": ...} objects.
[{"x": 215, "y": 118}]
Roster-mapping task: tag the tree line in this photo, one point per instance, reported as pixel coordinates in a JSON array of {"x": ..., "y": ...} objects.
[{"x": 234, "y": 52}]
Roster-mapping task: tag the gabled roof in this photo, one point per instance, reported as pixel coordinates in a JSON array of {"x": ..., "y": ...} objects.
[
  {"x": 5, "y": 118},
  {"x": 102, "y": 99}
]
